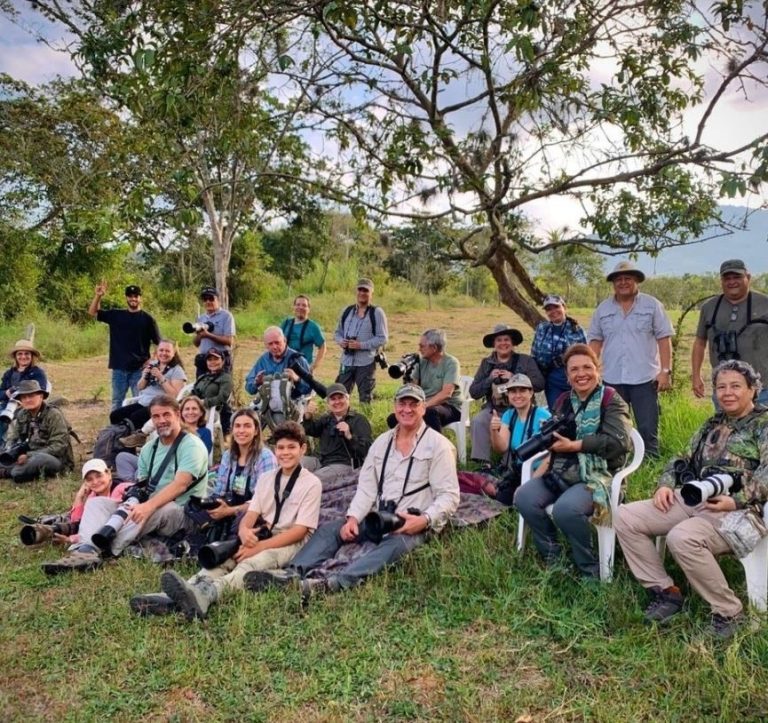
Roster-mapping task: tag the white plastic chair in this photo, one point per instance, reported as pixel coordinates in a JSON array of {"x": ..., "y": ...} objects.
[
  {"x": 755, "y": 568},
  {"x": 460, "y": 428},
  {"x": 606, "y": 536}
]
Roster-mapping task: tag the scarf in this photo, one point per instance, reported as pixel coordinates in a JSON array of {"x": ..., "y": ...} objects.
[{"x": 593, "y": 469}]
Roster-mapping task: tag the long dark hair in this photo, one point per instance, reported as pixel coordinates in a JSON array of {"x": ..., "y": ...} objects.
[{"x": 256, "y": 445}]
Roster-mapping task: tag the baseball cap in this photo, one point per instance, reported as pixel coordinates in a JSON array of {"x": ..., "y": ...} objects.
[
  {"x": 94, "y": 465},
  {"x": 132, "y": 290},
  {"x": 365, "y": 284},
  {"x": 410, "y": 391},
  {"x": 553, "y": 300},
  {"x": 209, "y": 291},
  {"x": 733, "y": 266},
  {"x": 519, "y": 380},
  {"x": 337, "y": 389},
  {"x": 213, "y": 351}
]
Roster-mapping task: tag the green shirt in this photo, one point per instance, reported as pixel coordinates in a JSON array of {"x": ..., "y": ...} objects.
[
  {"x": 431, "y": 378},
  {"x": 191, "y": 456}
]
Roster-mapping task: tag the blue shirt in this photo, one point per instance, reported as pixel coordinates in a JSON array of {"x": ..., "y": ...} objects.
[
  {"x": 551, "y": 340},
  {"x": 517, "y": 433},
  {"x": 270, "y": 366}
]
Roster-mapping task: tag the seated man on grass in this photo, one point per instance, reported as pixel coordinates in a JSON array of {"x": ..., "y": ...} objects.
[
  {"x": 171, "y": 469},
  {"x": 410, "y": 471},
  {"x": 281, "y": 516}
]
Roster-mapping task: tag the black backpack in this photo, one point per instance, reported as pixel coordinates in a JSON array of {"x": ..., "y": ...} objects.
[{"x": 108, "y": 444}]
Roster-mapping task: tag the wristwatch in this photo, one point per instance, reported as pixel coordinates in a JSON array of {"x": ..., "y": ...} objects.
[{"x": 429, "y": 520}]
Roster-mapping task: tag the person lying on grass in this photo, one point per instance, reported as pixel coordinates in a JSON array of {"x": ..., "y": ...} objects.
[{"x": 281, "y": 516}]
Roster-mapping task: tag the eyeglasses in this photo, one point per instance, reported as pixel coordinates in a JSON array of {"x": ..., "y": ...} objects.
[{"x": 208, "y": 298}]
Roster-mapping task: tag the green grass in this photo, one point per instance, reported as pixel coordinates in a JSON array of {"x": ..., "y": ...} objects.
[{"x": 464, "y": 629}]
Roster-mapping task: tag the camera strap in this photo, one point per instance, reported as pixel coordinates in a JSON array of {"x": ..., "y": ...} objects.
[
  {"x": 288, "y": 330},
  {"x": 380, "y": 487},
  {"x": 527, "y": 432},
  {"x": 155, "y": 478},
  {"x": 280, "y": 501}
]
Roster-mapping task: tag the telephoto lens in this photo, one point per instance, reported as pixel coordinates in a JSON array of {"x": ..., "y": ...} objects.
[{"x": 698, "y": 491}]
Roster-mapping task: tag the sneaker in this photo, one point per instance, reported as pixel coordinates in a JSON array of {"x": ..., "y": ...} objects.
[
  {"x": 137, "y": 439},
  {"x": 260, "y": 580},
  {"x": 723, "y": 627},
  {"x": 81, "y": 561},
  {"x": 155, "y": 603},
  {"x": 664, "y": 605}
]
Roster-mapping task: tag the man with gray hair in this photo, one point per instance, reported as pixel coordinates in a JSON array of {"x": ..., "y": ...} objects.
[
  {"x": 734, "y": 324},
  {"x": 439, "y": 375}
]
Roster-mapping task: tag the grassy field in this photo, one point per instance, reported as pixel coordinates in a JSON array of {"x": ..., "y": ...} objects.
[{"x": 465, "y": 629}]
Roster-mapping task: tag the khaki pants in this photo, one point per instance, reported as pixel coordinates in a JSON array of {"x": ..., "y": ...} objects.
[
  {"x": 230, "y": 575},
  {"x": 693, "y": 541}
]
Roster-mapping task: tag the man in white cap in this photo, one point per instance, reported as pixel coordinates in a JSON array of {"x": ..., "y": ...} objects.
[
  {"x": 634, "y": 335},
  {"x": 735, "y": 325},
  {"x": 410, "y": 471},
  {"x": 37, "y": 443},
  {"x": 361, "y": 332}
]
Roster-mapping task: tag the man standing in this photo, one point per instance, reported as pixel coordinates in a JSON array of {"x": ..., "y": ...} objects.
[
  {"x": 221, "y": 336},
  {"x": 303, "y": 334},
  {"x": 735, "y": 325},
  {"x": 411, "y": 471},
  {"x": 37, "y": 443},
  {"x": 634, "y": 334},
  {"x": 173, "y": 468},
  {"x": 361, "y": 332},
  {"x": 131, "y": 332},
  {"x": 345, "y": 436}
]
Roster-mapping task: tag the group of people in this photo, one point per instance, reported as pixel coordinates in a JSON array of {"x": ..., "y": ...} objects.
[{"x": 591, "y": 381}]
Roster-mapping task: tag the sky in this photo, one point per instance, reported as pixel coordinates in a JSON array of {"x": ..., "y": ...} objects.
[{"x": 35, "y": 62}]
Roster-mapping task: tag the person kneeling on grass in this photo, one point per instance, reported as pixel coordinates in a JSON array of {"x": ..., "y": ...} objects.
[
  {"x": 171, "y": 469},
  {"x": 409, "y": 471},
  {"x": 281, "y": 516},
  {"x": 708, "y": 503}
]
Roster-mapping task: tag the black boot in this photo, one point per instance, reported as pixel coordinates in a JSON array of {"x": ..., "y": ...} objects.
[{"x": 104, "y": 537}]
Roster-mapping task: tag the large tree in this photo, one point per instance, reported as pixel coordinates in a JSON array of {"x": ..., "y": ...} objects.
[{"x": 480, "y": 111}]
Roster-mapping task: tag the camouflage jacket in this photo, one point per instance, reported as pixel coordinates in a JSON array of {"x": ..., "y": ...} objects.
[
  {"x": 738, "y": 446},
  {"x": 47, "y": 432}
]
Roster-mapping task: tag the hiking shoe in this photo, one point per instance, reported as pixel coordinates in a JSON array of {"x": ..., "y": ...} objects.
[
  {"x": 194, "y": 598},
  {"x": 80, "y": 561},
  {"x": 723, "y": 627},
  {"x": 260, "y": 580},
  {"x": 663, "y": 606},
  {"x": 312, "y": 587},
  {"x": 137, "y": 439},
  {"x": 155, "y": 603}
]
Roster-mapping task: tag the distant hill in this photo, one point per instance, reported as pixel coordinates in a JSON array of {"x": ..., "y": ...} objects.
[{"x": 750, "y": 245}]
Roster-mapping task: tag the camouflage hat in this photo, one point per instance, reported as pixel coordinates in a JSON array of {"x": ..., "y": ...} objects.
[{"x": 410, "y": 391}]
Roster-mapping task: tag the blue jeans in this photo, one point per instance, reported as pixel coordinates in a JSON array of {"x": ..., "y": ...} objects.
[{"x": 122, "y": 381}]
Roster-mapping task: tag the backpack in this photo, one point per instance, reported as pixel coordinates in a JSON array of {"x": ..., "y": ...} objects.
[{"x": 108, "y": 444}]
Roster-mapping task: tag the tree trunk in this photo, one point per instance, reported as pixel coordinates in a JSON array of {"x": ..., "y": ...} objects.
[{"x": 509, "y": 294}]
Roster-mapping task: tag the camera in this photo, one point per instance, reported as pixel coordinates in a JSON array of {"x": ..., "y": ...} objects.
[
  {"x": 564, "y": 425},
  {"x": 9, "y": 410},
  {"x": 216, "y": 553},
  {"x": 380, "y": 358},
  {"x": 139, "y": 492},
  {"x": 192, "y": 328},
  {"x": 378, "y": 523},
  {"x": 37, "y": 533},
  {"x": 683, "y": 472},
  {"x": 698, "y": 491},
  {"x": 12, "y": 454},
  {"x": 320, "y": 389},
  {"x": 404, "y": 368},
  {"x": 206, "y": 503}
]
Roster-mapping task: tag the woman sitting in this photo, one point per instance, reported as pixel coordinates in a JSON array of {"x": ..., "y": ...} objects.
[
  {"x": 25, "y": 359},
  {"x": 215, "y": 386},
  {"x": 162, "y": 375},
  {"x": 706, "y": 504},
  {"x": 518, "y": 424},
  {"x": 581, "y": 464}
]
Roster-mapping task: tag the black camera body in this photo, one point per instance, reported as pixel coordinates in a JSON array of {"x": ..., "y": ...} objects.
[
  {"x": 139, "y": 492},
  {"x": 207, "y": 503},
  {"x": 404, "y": 368},
  {"x": 380, "y": 358},
  {"x": 12, "y": 454},
  {"x": 564, "y": 425},
  {"x": 189, "y": 327},
  {"x": 378, "y": 523}
]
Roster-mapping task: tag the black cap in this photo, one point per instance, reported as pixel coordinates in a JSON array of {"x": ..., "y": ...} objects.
[
  {"x": 132, "y": 290},
  {"x": 209, "y": 291}
]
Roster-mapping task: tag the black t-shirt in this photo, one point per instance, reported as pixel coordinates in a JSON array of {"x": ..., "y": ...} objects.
[{"x": 130, "y": 335}]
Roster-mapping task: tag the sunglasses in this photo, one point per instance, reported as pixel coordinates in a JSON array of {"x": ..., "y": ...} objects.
[{"x": 207, "y": 298}]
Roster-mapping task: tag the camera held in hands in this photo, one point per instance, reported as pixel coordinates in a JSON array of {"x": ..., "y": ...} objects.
[
  {"x": 378, "y": 523},
  {"x": 713, "y": 483},
  {"x": 216, "y": 553},
  {"x": 193, "y": 328},
  {"x": 564, "y": 425},
  {"x": 404, "y": 368},
  {"x": 12, "y": 454}
]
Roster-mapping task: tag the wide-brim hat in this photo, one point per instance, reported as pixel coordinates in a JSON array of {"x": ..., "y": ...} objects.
[
  {"x": 626, "y": 267},
  {"x": 502, "y": 330},
  {"x": 24, "y": 345},
  {"x": 30, "y": 386}
]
